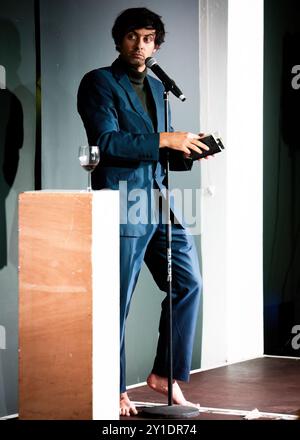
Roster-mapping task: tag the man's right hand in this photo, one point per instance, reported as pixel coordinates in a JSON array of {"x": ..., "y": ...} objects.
[{"x": 182, "y": 141}]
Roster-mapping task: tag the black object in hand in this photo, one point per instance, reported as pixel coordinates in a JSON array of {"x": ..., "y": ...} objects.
[{"x": 215, "y": 146}]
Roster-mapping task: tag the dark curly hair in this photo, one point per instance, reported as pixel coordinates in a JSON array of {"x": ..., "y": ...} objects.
[{"x": 137, "y": 18}]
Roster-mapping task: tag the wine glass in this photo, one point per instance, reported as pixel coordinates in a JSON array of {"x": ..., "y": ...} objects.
[{"x": 89, "y": 157}]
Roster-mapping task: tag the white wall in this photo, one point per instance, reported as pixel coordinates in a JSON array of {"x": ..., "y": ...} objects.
[{"x": 231, "y": 102}]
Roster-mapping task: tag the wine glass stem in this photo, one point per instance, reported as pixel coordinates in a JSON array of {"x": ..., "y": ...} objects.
[{"x": 89, "y": 188}]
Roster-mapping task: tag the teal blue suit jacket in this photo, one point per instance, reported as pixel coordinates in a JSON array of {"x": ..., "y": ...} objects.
[{"x": 114, "y": 119}]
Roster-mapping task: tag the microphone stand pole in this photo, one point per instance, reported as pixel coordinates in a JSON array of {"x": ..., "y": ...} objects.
[{"x": 169, "y": 411}]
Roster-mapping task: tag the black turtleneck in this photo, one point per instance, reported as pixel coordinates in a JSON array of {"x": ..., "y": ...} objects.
[{"x": 140, "y": 84}]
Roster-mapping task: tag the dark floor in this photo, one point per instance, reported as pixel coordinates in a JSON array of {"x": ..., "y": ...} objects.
[{"x": 271, "y": 385}]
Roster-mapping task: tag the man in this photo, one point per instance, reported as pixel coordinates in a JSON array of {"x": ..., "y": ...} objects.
[{"x": 122, "y": 111}]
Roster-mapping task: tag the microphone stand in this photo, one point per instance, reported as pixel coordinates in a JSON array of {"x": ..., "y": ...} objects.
[{"x": 169, "y": 411}]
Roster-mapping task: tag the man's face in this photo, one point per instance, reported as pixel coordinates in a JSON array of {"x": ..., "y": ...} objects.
[{"x": 136, "y": 46}]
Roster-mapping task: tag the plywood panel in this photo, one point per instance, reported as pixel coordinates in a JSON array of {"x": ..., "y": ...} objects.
[{"x": 55, "y": 241}]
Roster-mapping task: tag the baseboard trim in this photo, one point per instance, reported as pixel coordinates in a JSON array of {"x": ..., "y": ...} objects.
[{"x": 10, "y": 416}]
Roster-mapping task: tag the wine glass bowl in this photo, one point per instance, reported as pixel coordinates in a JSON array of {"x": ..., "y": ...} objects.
[{"x": 89, "y": 157}]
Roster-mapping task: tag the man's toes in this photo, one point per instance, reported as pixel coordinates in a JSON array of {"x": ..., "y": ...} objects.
[
  {"x": 123, "y": 411},
  {"x": 128, "y": 410}
]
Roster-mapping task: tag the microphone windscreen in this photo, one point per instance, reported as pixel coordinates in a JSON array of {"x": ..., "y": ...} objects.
[{"x": 150, "y": 61}]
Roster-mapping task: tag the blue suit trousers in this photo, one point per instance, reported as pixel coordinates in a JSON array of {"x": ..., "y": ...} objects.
[{"x": 186, "y": 291}]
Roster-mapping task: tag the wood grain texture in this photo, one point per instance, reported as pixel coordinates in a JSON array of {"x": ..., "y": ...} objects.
[{"x": 55, "y": 306}]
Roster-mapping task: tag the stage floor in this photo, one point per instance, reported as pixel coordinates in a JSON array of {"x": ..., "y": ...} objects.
[{"x": 267, "y": 384}]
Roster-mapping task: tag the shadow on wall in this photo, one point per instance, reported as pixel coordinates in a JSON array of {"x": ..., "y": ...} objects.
[
  {"x": 17, "y": 130},
  {"x": 282, "y": 312},
  {"x": 11, "y": 125}
]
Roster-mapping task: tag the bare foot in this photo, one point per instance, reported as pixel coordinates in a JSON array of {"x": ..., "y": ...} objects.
[
  {"x": 126, "y": 406},
  {"x": 160, "y": 384}
]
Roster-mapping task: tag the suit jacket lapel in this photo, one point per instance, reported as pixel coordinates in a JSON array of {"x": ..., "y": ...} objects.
[{"x": 158, "y": 99}]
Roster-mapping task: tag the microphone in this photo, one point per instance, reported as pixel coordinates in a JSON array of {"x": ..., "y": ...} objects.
[{"x": 165, "y": 79}]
